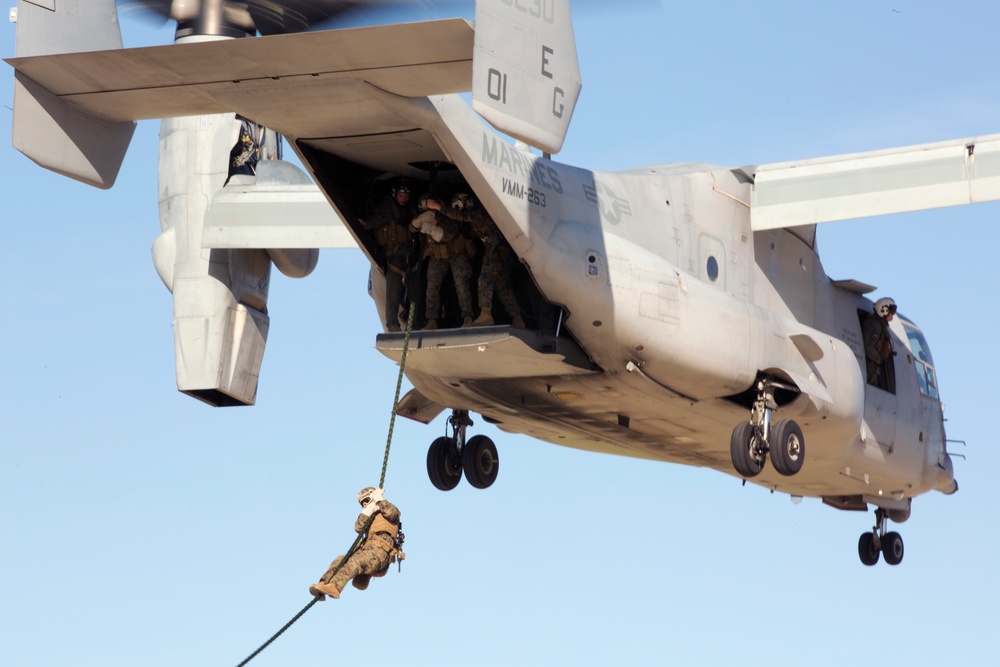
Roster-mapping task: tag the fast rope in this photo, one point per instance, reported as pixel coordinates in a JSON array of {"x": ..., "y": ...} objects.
[{"x": 381, "y": 485}]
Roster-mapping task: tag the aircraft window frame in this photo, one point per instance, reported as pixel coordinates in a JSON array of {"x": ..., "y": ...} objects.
[{"x": 923, "y": 360}]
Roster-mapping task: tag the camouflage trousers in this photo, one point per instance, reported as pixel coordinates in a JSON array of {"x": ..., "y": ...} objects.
[
  {"x": 461, "y": 273},
  {"x": 367, "y": 562},
  {"x": 495, "y": 276}
]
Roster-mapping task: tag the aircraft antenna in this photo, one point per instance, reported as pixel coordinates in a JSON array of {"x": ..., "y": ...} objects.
[{"x": 381, "y": 485}]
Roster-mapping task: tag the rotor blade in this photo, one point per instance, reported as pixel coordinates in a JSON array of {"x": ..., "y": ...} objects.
[{"x": 270, "y": 17}]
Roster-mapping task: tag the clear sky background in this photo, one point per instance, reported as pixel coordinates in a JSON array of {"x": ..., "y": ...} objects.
[{"x": 141, "y": 527}]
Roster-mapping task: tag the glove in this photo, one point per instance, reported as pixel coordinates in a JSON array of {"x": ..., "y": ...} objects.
[
  {"x": 435, "y": 232},
  {"x": 377, "y": 496},
  {"x": 421, "y": 220}
]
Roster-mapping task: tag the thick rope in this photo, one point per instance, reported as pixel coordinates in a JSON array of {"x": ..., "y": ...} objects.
[
  {"x": 381, "y": 485},
  {"x": 399, "y": 384}
]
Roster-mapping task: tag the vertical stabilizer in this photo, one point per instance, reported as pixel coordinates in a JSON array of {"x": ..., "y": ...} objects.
[
  {"x": 48, "y": 130},
  {"x": 526, "y": 78}
]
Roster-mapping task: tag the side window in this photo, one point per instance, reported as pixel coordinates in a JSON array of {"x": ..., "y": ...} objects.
[
  {"x": 922, "y": 360},
  {"x": 713, "y": 260}
]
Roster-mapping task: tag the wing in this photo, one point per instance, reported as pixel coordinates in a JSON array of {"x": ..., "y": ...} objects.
[
  {"x": 307, "y": 85},
  {"x": 951, "y": 173}
]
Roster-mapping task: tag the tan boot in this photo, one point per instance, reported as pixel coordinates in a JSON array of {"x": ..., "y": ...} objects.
[
  {"x": 517, "y": 322},
  {"x": 467, "y": 322},
  {"x": 430, "y": 326},
  {"x": 485, "y": 318},
  {"x": 320, "y": 590}
]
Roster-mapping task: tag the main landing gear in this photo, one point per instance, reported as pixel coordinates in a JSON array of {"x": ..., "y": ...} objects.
[
  {"x": 448, "y": 457},
  {"x": 753, "y": 440},
  {"x": 878, "y": 541}
]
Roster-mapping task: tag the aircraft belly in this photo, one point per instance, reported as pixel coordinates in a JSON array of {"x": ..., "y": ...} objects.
[{"x": 619, "y": 414}]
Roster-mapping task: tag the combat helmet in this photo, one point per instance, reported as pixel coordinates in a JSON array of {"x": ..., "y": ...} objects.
[
  {"x": 885, "y": 307},
  {"x": 365, "y": 494},
  {"x": 463, "y": 201},
  {"x": 401, "y": 184}
]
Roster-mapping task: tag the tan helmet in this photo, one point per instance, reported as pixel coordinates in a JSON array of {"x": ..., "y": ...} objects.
[
  {"x": 463, "y": 202},
  {"x": 885, "y": 307},
  {"x": 365, "y": 494}
]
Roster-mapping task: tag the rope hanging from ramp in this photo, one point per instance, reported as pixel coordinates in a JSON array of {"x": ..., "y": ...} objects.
[{"x": 381, "y": 485}]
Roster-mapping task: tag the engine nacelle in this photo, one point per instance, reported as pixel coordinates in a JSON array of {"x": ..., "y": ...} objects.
[{"x": 220, "y": 295}]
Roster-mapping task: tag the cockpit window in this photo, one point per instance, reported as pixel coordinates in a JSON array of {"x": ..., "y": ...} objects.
[{"x": 922, "y": 360}]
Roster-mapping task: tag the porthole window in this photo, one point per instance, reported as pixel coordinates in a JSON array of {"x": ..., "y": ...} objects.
[{"x": 712, "y": 267}]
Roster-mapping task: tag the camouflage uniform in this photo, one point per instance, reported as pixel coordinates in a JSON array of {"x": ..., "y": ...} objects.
[
  {"x": 390, "y": 221},
  {"x": 878, "y": 350},
  {"x": 451, "y": 253},
  {"x": 371, "y": 559},
  {"x": 495, "y": 272}
]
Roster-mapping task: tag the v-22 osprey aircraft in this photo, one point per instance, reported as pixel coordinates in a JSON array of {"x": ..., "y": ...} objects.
[{"x": 677, "y": 313}]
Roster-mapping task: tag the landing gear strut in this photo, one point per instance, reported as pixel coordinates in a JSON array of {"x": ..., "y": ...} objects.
[
  {"x": 449, "y": 456},
  {"x": 753, "y": 440},
  {"x": 878, "y": 541}
]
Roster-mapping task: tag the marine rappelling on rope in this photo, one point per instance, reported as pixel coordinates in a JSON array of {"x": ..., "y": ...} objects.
[{"x": 380, "y": 536}]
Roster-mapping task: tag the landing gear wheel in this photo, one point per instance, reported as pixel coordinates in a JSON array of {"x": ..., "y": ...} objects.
[
  {"x": 867, "y": 550},
  {"x": 788, "y": 447},
  {"x": 746, "y": 451},
  {"x": 480, "y": 461},
  {"x": 443, "y": 464},
  {"x": 892, "y": 548}
]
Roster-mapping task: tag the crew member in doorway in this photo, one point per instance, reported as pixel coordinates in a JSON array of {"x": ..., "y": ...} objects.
[
  {"x": 381, "y": 547},
  {"x": 449, "y": 250},
  {"x": 245, "y": 153},
  {"x": 494, "y": 276},
  {"x": 878, "y": 345},
  {"x": 390, "y": 221}
]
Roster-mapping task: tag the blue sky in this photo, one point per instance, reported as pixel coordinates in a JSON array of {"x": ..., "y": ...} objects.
[{"x": 142, "y": 527}]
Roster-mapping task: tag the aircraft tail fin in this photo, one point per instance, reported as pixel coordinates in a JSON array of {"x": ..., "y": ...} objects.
[
  {"x": 526, "y": 77},
  {"x": 48, "y": 130}
]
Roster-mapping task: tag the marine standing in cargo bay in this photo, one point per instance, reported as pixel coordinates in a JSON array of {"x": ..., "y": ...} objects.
[
  {"x": 449, "y": 250},
  {"x": 495, "y": 273},
  {"x": 390, "y": 221}
]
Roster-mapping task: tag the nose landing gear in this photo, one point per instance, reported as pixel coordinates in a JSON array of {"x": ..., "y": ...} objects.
[
  {"x": 878, "y": 541},
  {"x": 753, "y": 440},
  {"x": 449, "y": 456}
]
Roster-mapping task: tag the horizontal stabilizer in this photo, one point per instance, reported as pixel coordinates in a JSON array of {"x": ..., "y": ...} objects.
[
  {"x": 54, "y": 134},
  {"x": 913, "y": 178},
  {"x": 296, "y": 84},
  {"x": 280, "y": 209},
  {"x": 526, "y": 77}
]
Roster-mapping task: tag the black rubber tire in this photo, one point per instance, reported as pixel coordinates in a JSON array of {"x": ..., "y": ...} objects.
[
  {"x": 480, "y": 461},
  {"x": 866, "y": 549},
  {"x": 892, "y": 548},
  {"x": 788, "y": 447},
  {"x": 443, "y": 467},
  {"x": 740, "y": 445}
]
